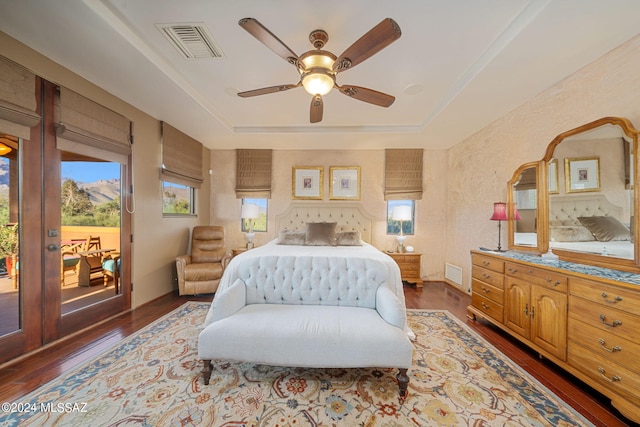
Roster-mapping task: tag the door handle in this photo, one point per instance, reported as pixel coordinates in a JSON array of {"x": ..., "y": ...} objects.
[{"x": 53, "y": 247}]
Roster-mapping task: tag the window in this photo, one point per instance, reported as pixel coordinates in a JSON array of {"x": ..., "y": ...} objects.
[
  {"x": 393, "y": 227},
  {"x": 177, "y": 199},
  {"x": 260, "y": 223},
  {"x": 90, "y": 193}
]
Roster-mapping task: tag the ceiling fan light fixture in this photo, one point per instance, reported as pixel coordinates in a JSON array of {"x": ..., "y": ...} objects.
[
  {"x": 316, "y": 68},
  {"x": 318, "y": 82}
]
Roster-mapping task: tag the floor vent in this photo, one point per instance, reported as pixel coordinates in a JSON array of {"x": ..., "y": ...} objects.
[
  {"x": 453, "y": 273},
  {"x": 193, "y": 41}
]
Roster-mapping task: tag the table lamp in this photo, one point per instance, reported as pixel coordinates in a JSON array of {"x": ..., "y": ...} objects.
[
  {"x": 250, "y": 212},
  {"x": 401, "y": 213}
]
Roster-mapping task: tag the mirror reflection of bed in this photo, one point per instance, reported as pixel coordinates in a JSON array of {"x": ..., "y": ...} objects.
[{"x": 590, "y": 224}]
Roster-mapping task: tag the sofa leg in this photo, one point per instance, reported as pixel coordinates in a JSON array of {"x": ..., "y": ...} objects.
[
  {"x": 207, "y": 367},
  {"x": 403, "y": 382}
]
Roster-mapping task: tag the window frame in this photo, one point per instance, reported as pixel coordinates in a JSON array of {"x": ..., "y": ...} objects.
[
  {"x": 408, "y": 227},
  {"x": 192, "y": 200}
]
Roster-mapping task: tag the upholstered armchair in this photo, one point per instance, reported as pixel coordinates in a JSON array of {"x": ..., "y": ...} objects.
[{"x": 200, "y": 272}]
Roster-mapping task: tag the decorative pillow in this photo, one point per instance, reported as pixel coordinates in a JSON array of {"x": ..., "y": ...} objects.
[
  {"x": 320, "y": 234},
  {"x": 605, "y": 228},
  {"x": 291, "y": 237},
  {"x": 348, "y": 238},
  {"x": 571, "y": 233}
]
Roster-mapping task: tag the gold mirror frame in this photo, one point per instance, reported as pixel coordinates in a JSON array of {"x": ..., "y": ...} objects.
[
  {"x": 631, "y": 265},
  {"x": 541, "y": 176}
]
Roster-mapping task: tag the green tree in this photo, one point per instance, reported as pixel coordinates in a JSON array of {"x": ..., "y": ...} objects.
[{"x": 75, "y": 201}]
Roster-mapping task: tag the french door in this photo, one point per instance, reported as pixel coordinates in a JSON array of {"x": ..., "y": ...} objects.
[{"x": 72, "y": 267}]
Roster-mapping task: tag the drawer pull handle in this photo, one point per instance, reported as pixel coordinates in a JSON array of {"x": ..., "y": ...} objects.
[
  {"x": 512, "y": 270},
  {"x": 610, "y": 350},
  {"x": 485, "y": 290},
  {"x": 611, "y": 301},
  {"x": 486, "y": 276},
  {"x": 556, "y": 283},
  {"x": 613, "y": 324},
  {"x": 533, "y": 312},
  {"x": 526, "y": 309},
  {"x": 613, "y": 379},
  {"x": 485, "y": 263},
  {"x": 485, "y": 306}
]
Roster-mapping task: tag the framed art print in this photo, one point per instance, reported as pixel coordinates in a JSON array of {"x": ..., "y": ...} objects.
[
  {"x": 344, "y": 183},
  {"x": 582, "y": 174},
  {"x": 307, "y": 182}
]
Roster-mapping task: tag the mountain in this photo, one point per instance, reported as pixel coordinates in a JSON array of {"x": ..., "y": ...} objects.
[{"x": 101, "y": 191}]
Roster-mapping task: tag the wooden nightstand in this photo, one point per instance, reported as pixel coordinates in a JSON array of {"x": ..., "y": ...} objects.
[
  {"x": 409, "y": 264},
  {"x": 237, "y": 251}
]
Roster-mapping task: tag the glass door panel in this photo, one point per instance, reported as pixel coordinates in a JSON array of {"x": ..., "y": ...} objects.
[
  {"x": 90, "y": 231},
  {"x": 10, "y": 301}
]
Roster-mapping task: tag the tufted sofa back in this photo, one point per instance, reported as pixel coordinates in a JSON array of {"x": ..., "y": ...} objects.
[{"x": 305, "y": 280}]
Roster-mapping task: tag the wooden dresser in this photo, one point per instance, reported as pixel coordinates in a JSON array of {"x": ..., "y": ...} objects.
[
  {"x": 409, "y": 263},
  {"x": 588, "y": 325}
]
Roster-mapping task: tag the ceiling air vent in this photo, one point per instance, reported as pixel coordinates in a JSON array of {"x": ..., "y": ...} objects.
[{"x": 192, "y": 40}]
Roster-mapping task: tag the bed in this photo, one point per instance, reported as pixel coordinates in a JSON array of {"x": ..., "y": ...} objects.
[
  {"x": 318, "y": 296},
  {"x": 590, "y": 224},
  {"x": 349, "y": 218}
]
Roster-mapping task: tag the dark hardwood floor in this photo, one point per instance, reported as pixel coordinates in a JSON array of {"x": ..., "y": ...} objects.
[{"x": 34, "y": 370}]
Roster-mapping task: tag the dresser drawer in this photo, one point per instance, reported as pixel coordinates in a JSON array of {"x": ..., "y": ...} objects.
[
  {"x": 488, "y": 263},
  {"x": 488, "y": 291},
  {"x": 487, "y": 306},
  {"x": 611, "y": 296},
  {"x": 610, "y": 346},
  {"x": 548, "y": 279},
  {"x": 607, "y": 319},
  {"x": 409, "y": 266},
  {"x": 602, "y": 370},
  {"x": 488, "y": 276}
]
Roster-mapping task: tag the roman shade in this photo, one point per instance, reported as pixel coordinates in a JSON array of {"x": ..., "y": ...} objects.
[
  {"x": 403, "y": 174},
  {"x": 17, "y": 99},
  {"x": 253, "y": 173},
  {"x": 86, "y": 127},
  {"x": 181, "y": 158}
]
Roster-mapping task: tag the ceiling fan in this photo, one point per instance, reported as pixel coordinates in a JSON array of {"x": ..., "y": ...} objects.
[{"x": 318, "y": 68}]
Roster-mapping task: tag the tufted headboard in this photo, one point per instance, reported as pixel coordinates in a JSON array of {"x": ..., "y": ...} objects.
[
  {"x": 564, "y": 211},
  {"x": 349, "y": 217}
]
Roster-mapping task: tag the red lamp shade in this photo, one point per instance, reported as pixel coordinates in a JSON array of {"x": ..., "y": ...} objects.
[{"x": 499, "y": 212}]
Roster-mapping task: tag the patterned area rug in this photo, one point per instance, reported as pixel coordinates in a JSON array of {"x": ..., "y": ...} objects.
[{"x": 152, "y": 378}]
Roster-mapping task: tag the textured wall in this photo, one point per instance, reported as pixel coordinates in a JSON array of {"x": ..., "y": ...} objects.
[
  {"x": 480, "y": 166},
  {"x": 430, "y": 211}
]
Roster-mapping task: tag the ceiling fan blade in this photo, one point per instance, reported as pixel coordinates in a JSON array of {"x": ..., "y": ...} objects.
[
  {"x": 266, "y": 90},
  {"x": 315, "y": 115},
  {"x": 379, "y": 37},
  {"x": 266, "y": 37},
  {"x": 367, "y": 95}
]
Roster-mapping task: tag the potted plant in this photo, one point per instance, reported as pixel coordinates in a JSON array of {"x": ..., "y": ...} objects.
[{"x": 9, "y": 246}]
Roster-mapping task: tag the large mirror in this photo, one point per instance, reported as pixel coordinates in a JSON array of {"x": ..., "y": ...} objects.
[{"x": 585, "y": 209}]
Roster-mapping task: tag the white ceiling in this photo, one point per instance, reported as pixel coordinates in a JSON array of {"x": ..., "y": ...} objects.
[{"x": 474, "y": 60}]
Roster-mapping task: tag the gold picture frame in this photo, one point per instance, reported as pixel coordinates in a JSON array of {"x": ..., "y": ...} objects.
[
  {"x": 582, "y": 174},
  {"x": 344, "y": 183},
  {"x": 307, "y": 182}
]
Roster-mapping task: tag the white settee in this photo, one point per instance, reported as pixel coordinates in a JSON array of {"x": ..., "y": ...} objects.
[{"x": 319, "y": 312}]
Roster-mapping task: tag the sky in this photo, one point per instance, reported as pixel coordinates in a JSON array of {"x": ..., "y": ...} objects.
[{"x": 90, "y": 171}]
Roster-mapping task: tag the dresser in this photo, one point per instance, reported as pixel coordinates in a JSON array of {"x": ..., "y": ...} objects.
[
  {"x": 588, "y": 325},
  {"x": 409, "y": 263}
]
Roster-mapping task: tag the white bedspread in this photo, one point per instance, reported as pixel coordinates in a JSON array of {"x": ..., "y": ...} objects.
[{"x": 272, "y": 248}]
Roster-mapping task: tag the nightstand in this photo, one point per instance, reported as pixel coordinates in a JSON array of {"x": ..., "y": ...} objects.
[
  {"x": 409, "y": 263},
  {"x": 237, "y": 251}
]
